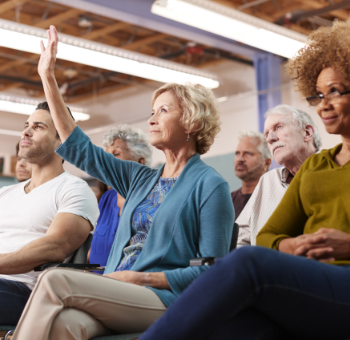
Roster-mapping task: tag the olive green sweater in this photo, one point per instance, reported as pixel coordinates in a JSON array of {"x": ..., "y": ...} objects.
[{"x": 318, "y": 197}]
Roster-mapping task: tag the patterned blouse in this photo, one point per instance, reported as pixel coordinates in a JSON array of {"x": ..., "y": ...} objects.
[{"x": 142, "y": 221}]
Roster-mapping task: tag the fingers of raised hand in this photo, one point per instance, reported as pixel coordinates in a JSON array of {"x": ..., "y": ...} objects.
[{"x": 42, "y": 47}]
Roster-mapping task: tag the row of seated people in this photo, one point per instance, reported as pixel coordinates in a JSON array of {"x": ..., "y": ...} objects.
[
  {"x": 281, "y": 294},
  {"x": 141, "y": 278}
]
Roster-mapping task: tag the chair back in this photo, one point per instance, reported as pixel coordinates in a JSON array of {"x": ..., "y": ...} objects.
[
  {"x": 234, "y": 236},
  {"x": 80, "y": 255}
]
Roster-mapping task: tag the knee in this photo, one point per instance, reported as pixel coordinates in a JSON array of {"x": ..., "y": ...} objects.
[
  {"x": 249, "y": 258},
  {"x": 65, "y": 326},
  {"x": 53, "y": 279},
  {"x": 52, "y": 275}
]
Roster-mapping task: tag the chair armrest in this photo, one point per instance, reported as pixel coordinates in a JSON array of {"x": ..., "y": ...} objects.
[
  {"x": 203, "y": 261},
  {"x": 78, "y": 266}
]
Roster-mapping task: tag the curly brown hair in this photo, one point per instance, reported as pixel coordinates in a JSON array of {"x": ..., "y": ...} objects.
[{"x": 327, "y": 47}]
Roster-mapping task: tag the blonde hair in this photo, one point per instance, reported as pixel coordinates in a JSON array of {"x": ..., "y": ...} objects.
[{"x": 200, "y": 112}]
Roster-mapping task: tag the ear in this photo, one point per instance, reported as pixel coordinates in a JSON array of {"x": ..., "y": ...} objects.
[
  {"x": 267, "y": 164},
  {"x": 309, "y": 133},
  {"x": 141, "y": 161}
]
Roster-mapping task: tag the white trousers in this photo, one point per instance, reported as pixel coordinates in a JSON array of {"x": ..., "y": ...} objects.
[{"x": 69, "y": 304}]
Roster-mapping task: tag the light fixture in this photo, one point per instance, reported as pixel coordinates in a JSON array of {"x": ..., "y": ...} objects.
[
  {"x": 212, "y": 17},
  {"x": 85, "y": 22},
  {"x": 26, "y": 106},
  {"x": 10, "y": 133},
  {"x": 27, "y": 38},
  {"x": 222, "y": 99}
]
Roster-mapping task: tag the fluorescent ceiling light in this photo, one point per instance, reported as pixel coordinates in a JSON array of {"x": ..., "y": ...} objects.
[
  {"x": 27, "y": 107},
  {"x": 212, "y": 17},
  {"x": 27, "y": 38},
  {"x": 222, "y": 99},
  {"x": 10, "y": 133}
]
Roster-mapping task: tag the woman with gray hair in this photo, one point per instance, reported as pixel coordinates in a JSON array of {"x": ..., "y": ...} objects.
[{"x": 127, "y": 144}]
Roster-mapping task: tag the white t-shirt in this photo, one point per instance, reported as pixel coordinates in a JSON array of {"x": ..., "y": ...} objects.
[{"x": 26, "y": 217}]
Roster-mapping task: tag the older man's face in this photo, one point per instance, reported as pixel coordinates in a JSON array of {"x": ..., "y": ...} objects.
[
  {"x": 249, "y": 164},
  {"x": 284, "y": 138}
]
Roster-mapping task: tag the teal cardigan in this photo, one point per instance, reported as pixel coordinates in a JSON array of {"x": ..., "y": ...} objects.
[{"x": 194, "y": 220}]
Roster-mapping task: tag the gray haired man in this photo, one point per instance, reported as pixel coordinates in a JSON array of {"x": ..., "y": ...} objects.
[
  {"x": 252, "y": 160},
  {"x": 292, "y": 137}
]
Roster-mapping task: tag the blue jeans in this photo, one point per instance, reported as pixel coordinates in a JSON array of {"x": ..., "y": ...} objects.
[
  {"x": 13, "y": 298},
  {"x": 258, "y": 293}
]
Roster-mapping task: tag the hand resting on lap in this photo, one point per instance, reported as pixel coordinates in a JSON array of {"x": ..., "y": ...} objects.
[{"x": 325, "y": 245}]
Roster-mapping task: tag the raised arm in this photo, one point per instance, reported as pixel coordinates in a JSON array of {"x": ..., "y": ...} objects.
[
  {"x": 66, "y": 233},
  {"x": 46, "y": 69}
]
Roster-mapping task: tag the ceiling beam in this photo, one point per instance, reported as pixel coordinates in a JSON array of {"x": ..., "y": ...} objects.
[
  {"x": 138, "y": 13},
  {"x": 43, "y": 24},
  {"x": 21, "y": 80},
  {"x": 55, "y": 20},
  {"x": 105, "y": 30},
  {"x": 145, "y": 41},
  {"x": 10, "y": 4},
  {"x": 333, "y": 9}
]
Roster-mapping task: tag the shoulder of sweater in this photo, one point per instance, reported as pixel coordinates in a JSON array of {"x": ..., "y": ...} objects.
[
  {"x": 211, "y": 175},
  {"x": 318, "y": 158}
]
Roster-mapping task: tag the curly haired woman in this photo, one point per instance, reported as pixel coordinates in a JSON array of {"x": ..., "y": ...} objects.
[
  {"x": 299, "y": 288},
  {"x": 170, "y": 215}
]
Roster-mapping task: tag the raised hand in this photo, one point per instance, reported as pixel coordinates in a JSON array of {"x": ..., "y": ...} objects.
[{"x": 47, "y": 60}]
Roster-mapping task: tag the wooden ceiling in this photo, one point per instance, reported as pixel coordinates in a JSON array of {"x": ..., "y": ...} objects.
[
  {"x": 299, "y": 15},
  {"x": 77, "y": 81}
]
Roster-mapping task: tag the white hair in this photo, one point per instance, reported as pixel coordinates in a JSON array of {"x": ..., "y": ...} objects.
[
  {"x": 299, "y": 118},
  {"x": 135, "y": 139},
  {"x": 262, "y": 147}
]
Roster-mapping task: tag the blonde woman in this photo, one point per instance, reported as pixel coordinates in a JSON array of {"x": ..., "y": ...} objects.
[{"x": 170, "y": 215}]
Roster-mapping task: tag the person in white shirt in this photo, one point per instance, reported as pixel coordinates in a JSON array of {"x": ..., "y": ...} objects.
[
  {"x": 43, "y": 219},
  {"x": 292, "y": 137}
]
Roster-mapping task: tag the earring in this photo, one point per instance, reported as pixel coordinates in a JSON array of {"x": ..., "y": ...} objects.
[{"x": 188, "y": 137}]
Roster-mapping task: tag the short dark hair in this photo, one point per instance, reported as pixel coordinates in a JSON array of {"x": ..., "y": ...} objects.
[
  {"x": 17, "y": 149},
  {"x": 45, "y": 106}
]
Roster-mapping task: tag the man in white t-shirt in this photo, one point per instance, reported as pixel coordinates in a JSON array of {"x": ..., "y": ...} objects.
[{"x": 43, "y": 219}]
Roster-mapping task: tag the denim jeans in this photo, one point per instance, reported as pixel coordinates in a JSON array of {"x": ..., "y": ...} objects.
[
  {"x": 259, "y": 293},
  {"x": 13, "y": 298}
]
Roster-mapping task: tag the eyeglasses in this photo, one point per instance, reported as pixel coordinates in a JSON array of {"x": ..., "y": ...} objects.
[{"x": 331, "y": 98}]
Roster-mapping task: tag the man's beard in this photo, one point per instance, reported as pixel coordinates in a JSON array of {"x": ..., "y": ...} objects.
[
  {"x": 36, "y": 154},
  {"x": 252, "y": 174}
]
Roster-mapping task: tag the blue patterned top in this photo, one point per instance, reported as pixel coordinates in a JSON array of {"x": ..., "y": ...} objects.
[{"x": 142, "y": 221}]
